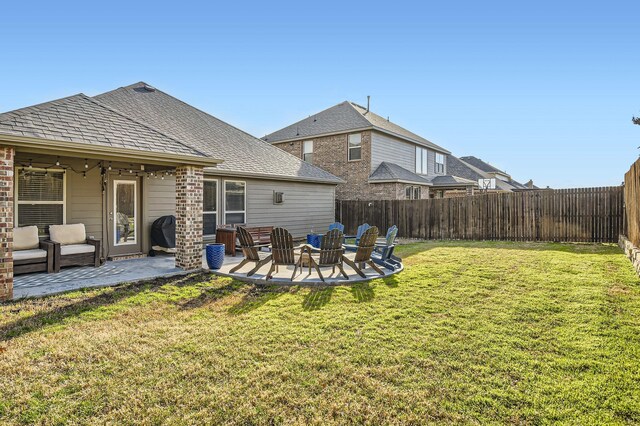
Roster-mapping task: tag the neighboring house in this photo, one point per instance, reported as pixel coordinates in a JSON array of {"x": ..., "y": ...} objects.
[
  {"x": 375, "y": 157},
  {"x": 119, "y": 160},
  {"x": 489, "y": 178}
]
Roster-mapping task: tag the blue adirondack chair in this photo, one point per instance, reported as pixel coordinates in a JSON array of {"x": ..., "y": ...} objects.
[
  {"x": 336, "y": 225},
  {"x": 361, "y": 229},
  {"x": 383, "y": 253}
]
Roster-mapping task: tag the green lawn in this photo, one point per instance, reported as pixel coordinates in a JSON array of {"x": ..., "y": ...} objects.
[{"x": 468, "y": 333}]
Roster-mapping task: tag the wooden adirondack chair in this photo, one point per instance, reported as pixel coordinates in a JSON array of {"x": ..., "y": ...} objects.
[
  {"x": 330, "y": 253},
  {"x": 361, "y": 230},
  {"x": 250, "y": 251},
  {"x": 383, "y": 253},
  {"x": 283, "y": 252},
  {"x": 366, "y": 245}
]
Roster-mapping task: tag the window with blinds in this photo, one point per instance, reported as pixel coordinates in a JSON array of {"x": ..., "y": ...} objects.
[{"x": 40, "y": 198}]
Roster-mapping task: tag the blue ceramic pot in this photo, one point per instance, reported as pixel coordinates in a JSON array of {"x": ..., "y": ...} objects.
[{"x": 215, "y": 255}]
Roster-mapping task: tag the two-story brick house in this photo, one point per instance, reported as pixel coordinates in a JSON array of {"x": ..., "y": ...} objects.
[{"x": 375, "y": 157}]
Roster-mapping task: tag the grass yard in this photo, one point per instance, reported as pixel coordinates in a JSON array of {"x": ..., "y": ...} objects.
[{"x": 468, "y": 333}]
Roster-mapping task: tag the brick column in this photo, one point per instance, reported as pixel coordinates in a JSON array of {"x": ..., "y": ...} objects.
[
  {"x": 189, "y": 193},
  {"x": 7, "y": 154}
]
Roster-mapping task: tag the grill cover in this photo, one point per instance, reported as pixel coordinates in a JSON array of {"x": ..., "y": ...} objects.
[{"x": 163, "y": 232}]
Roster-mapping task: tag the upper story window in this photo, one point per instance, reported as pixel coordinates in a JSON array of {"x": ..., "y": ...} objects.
[
  {"x": 439, "y": 163},
  {"x": 421, "y": 161},
  {"x": 307, "y": 151},
  {"x": 40, "y": 198},
  {"x": 355, "y": 147}
]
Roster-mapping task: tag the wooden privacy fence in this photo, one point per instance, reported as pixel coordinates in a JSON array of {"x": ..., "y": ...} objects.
[
  {"x": 569, "y": 215},
  {"x": 631, "y": 194}
]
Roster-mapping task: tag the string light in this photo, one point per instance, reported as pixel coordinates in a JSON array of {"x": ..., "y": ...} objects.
[
  {"x": 30, "y": 164},
  {"x": 58, "y": 161},
  {"x": 84, "y": 175},
  {"x": 86, "y": 165},
  {"x": 109, "y": 165}
]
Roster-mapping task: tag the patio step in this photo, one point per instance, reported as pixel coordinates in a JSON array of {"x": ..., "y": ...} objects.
[{"x": 115, "y": 258}]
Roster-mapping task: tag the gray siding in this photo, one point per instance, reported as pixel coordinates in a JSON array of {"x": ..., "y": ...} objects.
[
  {"x": 393, "y": 150},
  {"x": 307, "y": 206},
  {"x": 159, "y": 199},
  {"x": 85, "y": 203}
]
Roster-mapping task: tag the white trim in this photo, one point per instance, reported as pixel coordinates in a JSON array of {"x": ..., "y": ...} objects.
[
  {"x": 115, "y": 211},
  {"x": 224, "y": 194},
  {"x": 349, "y": 147},
  {"x": 16, "y": 192},
  {"x": 217, "y": 212},
  {"x": 304, "y": 144}
]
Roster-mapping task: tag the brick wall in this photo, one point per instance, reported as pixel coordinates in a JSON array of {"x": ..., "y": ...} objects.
[
  {"x": 189, "y": 193},
  {"x": 7, "y": 155},
  {"x": 330, "y": 154}
]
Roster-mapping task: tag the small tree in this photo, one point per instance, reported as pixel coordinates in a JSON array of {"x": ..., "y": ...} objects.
[{"x": 635, "y": 120}]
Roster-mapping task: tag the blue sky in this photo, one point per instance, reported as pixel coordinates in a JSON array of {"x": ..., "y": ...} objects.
[{"x": 545, "y": 90}]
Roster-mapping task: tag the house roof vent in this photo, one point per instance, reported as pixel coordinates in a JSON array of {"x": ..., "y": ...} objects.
[{"x": 149, "y": 88}]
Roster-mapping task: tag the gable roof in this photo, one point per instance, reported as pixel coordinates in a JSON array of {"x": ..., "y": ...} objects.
[
  {"x": 449, "y": 180},
  {"x": 391, "y": 172},
  {"x": 472, "y": 166},
  {"x": 243, "y": 154},
  {"x": 83, "y": 120},
  {"x": 482, "y": 165},
  {"x": 346, "y": 116},
  {"x": 457, "y": 167}
]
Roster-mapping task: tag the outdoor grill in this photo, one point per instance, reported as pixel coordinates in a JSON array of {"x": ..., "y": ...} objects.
[{"x": 163, "y": 235}]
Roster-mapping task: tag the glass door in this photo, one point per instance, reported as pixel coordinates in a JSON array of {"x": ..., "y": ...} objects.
[{"x": 124, "y": 218}]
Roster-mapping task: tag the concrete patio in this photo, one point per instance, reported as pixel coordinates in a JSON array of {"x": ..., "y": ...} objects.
[{"x": 117, "y": 272}]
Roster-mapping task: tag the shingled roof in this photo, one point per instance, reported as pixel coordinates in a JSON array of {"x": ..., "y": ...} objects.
[
  {"x": 482, "y": 165},
  {"x": 242, "y": 153},
  {"x": 83, "y": 120},
  {"x": 391, "y": 172},
  {"x": 344, "y": 117}
]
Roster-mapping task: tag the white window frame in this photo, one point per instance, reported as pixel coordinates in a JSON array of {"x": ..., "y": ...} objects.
[
  {"x": 217, "y": 181},
  {"x": 440, "y": 169},
  {"x": 349, "y": 147},
  {"x": 422, "y": 160},
  {"x": 135, "y": 211},
  {"x": 225, "y": 200},
  {"x": 413, "y": 191},
  {"x": 305, "y": 153},
  {"x": 16, "y": 192}
]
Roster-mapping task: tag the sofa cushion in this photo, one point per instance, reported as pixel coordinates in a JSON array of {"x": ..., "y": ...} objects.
[
  {"x": 25, "y": 238},
  {"x": 68, "y": 234},
  {"x": 29, "y": 254},
  {"x": 76, "y": 249}
]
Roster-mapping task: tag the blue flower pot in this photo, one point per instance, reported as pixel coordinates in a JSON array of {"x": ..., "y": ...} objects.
[{"x": 215, "y": 255}]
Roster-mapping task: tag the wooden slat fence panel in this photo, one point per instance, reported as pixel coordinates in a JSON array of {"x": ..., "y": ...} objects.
[
  {"x": 565, "y": 215},
  {"x": 632, "y": 206}
]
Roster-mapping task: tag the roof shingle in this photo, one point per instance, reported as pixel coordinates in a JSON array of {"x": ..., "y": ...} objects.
[
  {"x": 81, "y": 119},
  {"x": 346, "y": 116},
  {"x": 241, "y": 152}
]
